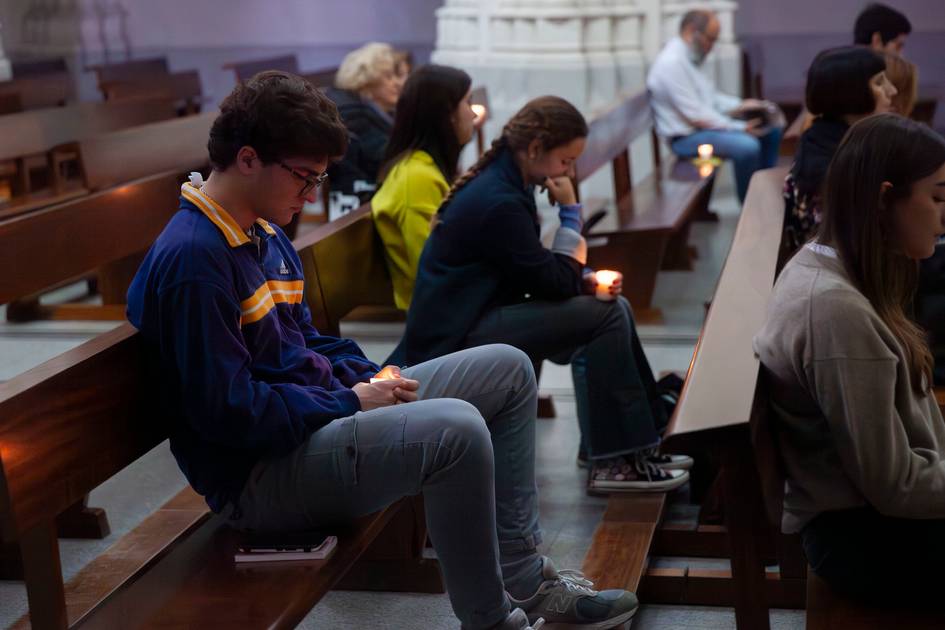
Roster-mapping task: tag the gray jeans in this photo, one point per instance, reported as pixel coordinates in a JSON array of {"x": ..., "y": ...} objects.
[{"x": 468, "y": 445}]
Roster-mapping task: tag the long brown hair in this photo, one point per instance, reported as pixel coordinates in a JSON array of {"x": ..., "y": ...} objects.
[
  {"x": 549, "y": 119},
  {"x": 857, "y": 220}
]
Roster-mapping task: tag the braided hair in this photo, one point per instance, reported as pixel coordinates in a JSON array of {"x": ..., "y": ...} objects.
[{"x": 549, "y": 119}]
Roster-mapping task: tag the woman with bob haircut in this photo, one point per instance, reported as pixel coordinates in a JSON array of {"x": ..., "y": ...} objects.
[
  {"x": 434, "y": 121},
  {"x": 843, "y": 85},
  {"x": 849, "y": 374}
]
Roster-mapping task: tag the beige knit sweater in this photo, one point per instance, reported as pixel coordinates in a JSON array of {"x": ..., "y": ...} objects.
[{"x": 851, "y": 429}]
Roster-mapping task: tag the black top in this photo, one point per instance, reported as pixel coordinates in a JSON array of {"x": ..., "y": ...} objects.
[
  {"x": 485, "y": 252},
  {"x": 369, "y": 130}
]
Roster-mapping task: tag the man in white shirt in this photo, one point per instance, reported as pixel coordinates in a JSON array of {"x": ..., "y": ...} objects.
[{"x": 689, "y": 111}]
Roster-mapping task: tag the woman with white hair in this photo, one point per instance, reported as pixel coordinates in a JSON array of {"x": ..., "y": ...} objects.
[{"x": 367, "y": 86}]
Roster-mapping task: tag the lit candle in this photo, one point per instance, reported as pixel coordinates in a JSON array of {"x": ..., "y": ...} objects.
[
  {"x": 606, "y": 279},
  {"x": 478, "y": 110},
  {"x": 705, "y": 170},
  {"x": 705, "y": 151}
]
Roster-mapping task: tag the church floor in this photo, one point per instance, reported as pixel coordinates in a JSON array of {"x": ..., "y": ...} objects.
[{"x": 569, "y": 516}]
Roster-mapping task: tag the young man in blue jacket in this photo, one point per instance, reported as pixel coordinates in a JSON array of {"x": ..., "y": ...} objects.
[{"x": 279, "y": 427}]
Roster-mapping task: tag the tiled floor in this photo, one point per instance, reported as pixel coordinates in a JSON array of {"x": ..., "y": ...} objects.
[{"x": 569, "y": 516}]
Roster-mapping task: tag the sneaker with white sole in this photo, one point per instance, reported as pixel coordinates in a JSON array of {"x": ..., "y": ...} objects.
[
  {"x": 567, "y": 600},
  {"x": 518, "y": 620},
  {"x": 636, "y": 474},
  {"x": 667, "y": 461}
]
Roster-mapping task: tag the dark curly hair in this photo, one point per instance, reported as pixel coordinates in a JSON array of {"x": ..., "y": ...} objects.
[{"x": 280, "y": 115}]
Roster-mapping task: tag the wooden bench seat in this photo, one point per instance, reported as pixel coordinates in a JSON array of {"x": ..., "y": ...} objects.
[
  {"x": 645, "y": 226},
  {"x": 181, "y": 87}
]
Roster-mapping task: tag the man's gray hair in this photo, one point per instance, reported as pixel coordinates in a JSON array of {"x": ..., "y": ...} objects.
[{"x": 697, "y": 18}]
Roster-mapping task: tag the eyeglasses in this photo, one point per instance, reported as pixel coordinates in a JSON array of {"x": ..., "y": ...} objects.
[{"x": 311, "y": 181}]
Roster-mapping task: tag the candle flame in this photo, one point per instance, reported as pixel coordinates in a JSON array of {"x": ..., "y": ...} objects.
[
  {"x": 606, "y": 277},
  {"x": 478, "y": 110},
  {"x": 706, "y": 170}
]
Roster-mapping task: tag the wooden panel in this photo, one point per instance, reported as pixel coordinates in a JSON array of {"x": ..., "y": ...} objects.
[
  {"x": 121, "y": 156},
  {"x": 324, "y": 78},
  {"x": 131, "y": 70},
  {"x": 344, "y": 267},
  {"x": 714, "y": 398},
  {"x": 38, "y": 131},
  {"x": 246, "y": 69},
  {"x": 39, "y": 199},
  {"x": 199, "y": 585},
  {"x": 612, "y": 130},
  {"x": 90, "y": 399},
  {"x": 38, "y": 67},
  {"x": 124, "y": 221},
  {"x": 46, "y": 90},
  {"x": 180, "y": 86},
  {"x": 617, "y": 557}
]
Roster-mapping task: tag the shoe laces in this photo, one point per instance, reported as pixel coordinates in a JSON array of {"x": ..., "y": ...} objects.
[
  {"x": 645, "y": 467},
  {"x": 575, "y": 581}
]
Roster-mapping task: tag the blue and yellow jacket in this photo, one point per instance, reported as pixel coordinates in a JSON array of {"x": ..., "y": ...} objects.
[{"x": 243, "y": 373}]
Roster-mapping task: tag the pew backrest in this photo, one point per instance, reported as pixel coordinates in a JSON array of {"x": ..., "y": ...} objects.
[
  {"x": 70, "y": 424},
  {"x": 134, "y": 70},
  {"x": 121, "y": 156},
  {"x": 42, "y": 248},
  {"x": 611, "y": 131},
  {"x": 39, "y": 131},
  {"x": 39, "y": 67},
  {"x": 42, "y": 90},
  {"x": 324, "y": 78},
  {"x": 720, "y": 389},
  {"x": 180, "y": 86},
  {"x": 344, "y": 268},
  {"x": 246, "y": 69}
]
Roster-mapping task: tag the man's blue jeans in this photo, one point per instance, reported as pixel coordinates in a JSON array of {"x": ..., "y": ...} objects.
[{"x": 747, "y": 152}]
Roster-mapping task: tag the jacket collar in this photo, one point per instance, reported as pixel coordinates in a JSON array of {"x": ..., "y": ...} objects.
[{"x": 234, "y": 235}]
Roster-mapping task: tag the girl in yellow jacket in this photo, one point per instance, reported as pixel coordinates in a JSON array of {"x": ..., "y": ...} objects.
[{"x": 433, "y": 122}]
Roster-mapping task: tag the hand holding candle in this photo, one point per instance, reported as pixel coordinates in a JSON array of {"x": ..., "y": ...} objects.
[{"x": 609, "y": 285}]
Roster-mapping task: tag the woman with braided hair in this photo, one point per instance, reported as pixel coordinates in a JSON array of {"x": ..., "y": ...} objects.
[{"x": 485, "y": 277}]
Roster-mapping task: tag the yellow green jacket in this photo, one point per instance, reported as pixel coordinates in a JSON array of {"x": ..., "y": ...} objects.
[{"x": 402, "y": 209}]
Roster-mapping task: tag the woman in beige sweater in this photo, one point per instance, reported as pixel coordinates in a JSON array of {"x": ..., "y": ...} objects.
[{"x": 861, "y": 436}]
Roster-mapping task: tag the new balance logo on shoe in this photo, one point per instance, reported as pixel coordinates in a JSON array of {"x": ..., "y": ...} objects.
[
  {"x": 283, "y": 269},
  {"x": 558, "y": 603}
]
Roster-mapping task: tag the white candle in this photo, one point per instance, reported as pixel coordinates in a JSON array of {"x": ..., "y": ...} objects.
[
  {"x": 377, "y": 380},
  {"x": 478, "y": 110},
  {"x": 705, "y": 151},
  {"x": 606, "y": 279}
]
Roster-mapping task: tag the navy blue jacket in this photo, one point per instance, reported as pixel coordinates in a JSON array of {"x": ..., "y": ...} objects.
[
  {"x": 485, "y": 252},
  {"x": 242, "y": 372}
]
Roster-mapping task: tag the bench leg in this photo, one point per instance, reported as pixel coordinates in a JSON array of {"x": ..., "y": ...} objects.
[
  {"x": 394, "y": 561},
  {"x": 745, "y": 527},
  {"x": 82, "y": 521},
  {"x": 11, "y": 562},
  {"x": 43, "y": 574}
]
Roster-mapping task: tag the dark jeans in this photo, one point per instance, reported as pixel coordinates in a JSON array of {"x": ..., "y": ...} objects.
[
  {"x": 865, "y": 555},
  {"x": 618, "y": 406}
]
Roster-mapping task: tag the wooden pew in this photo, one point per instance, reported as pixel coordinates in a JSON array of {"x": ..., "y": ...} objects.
[
  {"x": 41, "y": 91},
  {"x": 115, "y": 161},
  {"x": 77, "y": 420},
  {"x": 646, "y": 227},
  {"x": 181, "y": 87},
  {"x": 39, "y": 67},
  {"x": 246, "y": 69},
  {"x": 713, "y": 415},
  {"x": 324, "y": 78},
  {"x": 480, "y": 96},
  {"x": 133, "y": 70},
  {"x": 52, "y": 132}
]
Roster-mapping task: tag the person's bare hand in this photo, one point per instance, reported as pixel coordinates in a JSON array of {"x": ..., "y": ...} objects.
[
  {"x": 560, "y": 190},
  {"x": 590, "y": 284},
  {"x": 751, "y": 103},
  {"x": 386, "y": 393}
]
